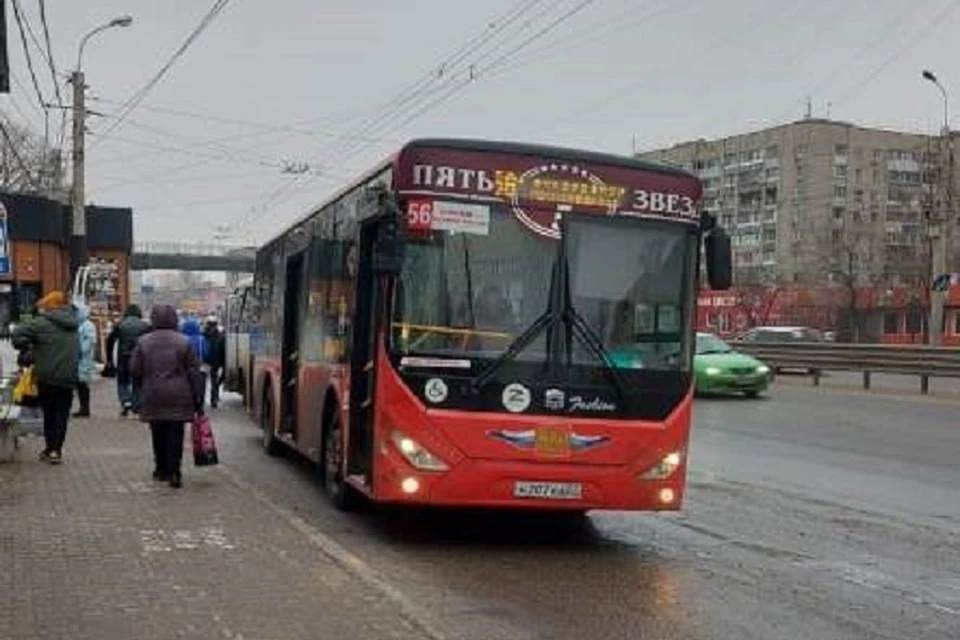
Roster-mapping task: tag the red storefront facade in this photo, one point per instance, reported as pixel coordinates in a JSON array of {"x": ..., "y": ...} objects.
[{"x": 890, "y": 316}]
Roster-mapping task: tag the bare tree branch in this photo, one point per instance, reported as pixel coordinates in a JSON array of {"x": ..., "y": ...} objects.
[{"x": 26, "y": 165}]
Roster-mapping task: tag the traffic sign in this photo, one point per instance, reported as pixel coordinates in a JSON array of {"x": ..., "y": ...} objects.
[{"x": 944, "y": 281}]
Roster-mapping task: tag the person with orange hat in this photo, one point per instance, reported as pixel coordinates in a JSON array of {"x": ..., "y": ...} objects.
[{"x": 52, "y": 339}]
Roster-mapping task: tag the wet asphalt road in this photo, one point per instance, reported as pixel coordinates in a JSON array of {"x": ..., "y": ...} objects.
[{"x": 810, "y": 515}]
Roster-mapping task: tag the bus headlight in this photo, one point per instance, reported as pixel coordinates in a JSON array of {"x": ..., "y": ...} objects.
[
  {"x": 712, "y": 371},
  {"x": 763, "y": 369},
  {"x": 665, "y": 468},
  {"x": 416, "y": 454}
]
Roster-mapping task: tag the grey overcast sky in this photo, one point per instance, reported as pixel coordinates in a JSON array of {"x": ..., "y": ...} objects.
[{"x": 294, "y": 81}]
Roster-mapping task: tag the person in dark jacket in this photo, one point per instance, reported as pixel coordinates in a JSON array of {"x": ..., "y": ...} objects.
[
  {"x": 171, "y": 388},
  {"x": 52, "y": 339},
  {"x": 125, "y": 335},
  {"x": 215, "y": 357}
]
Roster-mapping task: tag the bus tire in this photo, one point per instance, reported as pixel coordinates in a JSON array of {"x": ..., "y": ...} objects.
[
  {"x": 341, "y": 495},
  {"x": 268, "y": 437}
]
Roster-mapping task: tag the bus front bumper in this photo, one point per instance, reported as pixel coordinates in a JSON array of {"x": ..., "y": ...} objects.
[{"x": 528, "y": 485}]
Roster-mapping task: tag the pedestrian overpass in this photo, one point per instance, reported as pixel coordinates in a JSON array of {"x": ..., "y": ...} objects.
[{"x": 186, "y": 256}]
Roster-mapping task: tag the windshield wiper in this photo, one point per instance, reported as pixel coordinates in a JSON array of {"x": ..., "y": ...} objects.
[
  {"x": 593, "y": 342},
  {"x": 559, "y": 310}
]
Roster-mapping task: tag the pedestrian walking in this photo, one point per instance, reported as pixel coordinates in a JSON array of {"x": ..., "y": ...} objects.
[
  {"x": 124, "y": 336},
  {"x": 87, "y": 338},
  {"x": 51, "y": 338},
  {"x": 194, "y": 334},
  {"x": 171, "y": 390},
  {"x": 215, "y": 357}
]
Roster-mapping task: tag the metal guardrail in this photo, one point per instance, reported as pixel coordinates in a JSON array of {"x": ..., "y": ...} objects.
[{"x": 816, "y": 357}]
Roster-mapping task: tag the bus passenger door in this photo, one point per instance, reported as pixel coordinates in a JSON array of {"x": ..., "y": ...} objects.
[
  {"x": 290, "y": 365},
  {"x": 363, "y": 358}
]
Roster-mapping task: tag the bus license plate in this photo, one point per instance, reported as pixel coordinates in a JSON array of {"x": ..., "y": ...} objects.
[{"x": 548, "y": 490}]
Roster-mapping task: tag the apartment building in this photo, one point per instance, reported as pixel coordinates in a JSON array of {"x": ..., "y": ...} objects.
[{"x": 818, "y": 201}]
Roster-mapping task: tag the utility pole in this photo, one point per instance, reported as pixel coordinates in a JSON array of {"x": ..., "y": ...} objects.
[
  {"x": 78, "y": 238},
  {"x": 939, "y": 223}
]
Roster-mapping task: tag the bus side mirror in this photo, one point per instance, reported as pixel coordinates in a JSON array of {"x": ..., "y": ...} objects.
[
  {"x": 718, "y": 254},
  {"x": 389, "y": 247}
]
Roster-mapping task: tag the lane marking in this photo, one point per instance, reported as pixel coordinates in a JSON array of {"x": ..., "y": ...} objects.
[
  {"x": 162, "y": 541},
  {"x": 875, "y": 580},
  {"x": 416, "y": 616}
]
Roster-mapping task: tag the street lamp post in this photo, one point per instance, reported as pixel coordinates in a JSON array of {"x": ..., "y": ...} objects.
[
  {"x": 78, "y": 239},
  {"x": 938, "y": 224}
]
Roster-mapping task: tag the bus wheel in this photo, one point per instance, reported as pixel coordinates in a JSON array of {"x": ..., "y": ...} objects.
[
  {"x": 271, "y": 445},
  {"x": 342, "y": 495}
]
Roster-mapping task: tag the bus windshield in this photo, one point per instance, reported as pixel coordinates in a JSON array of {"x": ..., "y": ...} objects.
[{"x": 469, "y": 295}]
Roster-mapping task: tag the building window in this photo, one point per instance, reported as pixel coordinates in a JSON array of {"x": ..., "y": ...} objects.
[
  {"x": 838, "y": 213},
  {"x": 858, "y": 175},
  {"x": 840, "y": 172},
  {"x": 840, "y": 150},
  {"x": 773, "y": 151},
  {"x": 914, "y": 321},
  {"x": 840, "y": 192},
  {"x": 891, "y": 322}
]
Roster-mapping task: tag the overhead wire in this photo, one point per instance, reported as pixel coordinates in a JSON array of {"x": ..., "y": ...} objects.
[
  {"x": 587, "y": 36},
  {"x": 26, "y": 50},
  {"x": 935, "y": 21},
  {"x": 138, "y": 96},
  {"x": 890, "y": 28},
  {"x": 261, "y": 126},
  {"x": 472, "y": 75},
  {"x": 443, "y": 69},
  {"x": 756, "y": 20},
  {"x": 420, "y": 86},
  {"x": 61, "y": 137},
  {"x": 22, "y": 28}
]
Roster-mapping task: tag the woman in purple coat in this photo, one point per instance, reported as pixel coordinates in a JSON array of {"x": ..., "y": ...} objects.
[{"x": 171, "y": 390}]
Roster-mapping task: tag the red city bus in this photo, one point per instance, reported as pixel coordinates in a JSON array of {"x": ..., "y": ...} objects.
[{"x": 489, "y": 324}]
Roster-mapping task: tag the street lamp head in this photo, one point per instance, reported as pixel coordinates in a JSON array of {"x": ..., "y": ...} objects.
[
  {"x": 122, "y": 21},
  {"x": 928, "y": 75}
]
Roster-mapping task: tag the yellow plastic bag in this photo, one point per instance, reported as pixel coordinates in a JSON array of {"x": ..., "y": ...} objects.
[{"x": 26, "y": 389}]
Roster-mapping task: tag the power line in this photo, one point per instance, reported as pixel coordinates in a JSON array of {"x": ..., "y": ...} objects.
[
  {"x": 408, "y": 98},
  {"x": 443, "y": 69},
  {"x": 569, "y": 14},
  {"x": 754, "y": 22},
  {"x": 50, "y": 62},
  {"x": 53, "y": 71},
  {"x": 261, "y": 126},
  {"x": 473, "y": 74},
  {"x": 26, "y": 50},
  {"x": 191, "y": 150},
  {"x": 134, "y": 101},
  {"x": 928, "y": 26}
]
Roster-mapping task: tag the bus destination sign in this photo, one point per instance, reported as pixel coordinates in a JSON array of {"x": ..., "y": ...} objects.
[{"x": 540, "y": 193}]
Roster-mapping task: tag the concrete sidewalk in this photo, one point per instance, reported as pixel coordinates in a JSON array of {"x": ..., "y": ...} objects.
[{"x": 96, "y": 549}]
